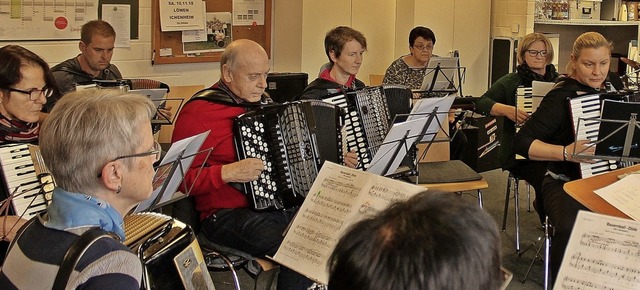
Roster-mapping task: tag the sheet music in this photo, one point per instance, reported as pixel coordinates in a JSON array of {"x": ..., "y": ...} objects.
[
  {"x": 603, "y": 253},
  {"x": 181, "y": 152},
  {"x": 624, "y": 195},
  {"x": 339, "y": 197}
]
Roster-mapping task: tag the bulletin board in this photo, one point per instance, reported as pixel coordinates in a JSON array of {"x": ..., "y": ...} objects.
[{"x": 173, "y": 39}]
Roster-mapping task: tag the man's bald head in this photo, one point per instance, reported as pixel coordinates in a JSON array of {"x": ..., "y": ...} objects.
[{"x": 244, "y": 65}]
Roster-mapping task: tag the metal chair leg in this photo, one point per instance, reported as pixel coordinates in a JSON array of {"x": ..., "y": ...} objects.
[
  {"x": 480, "y": 201},
  {"x": 528, "y": 197},
  {"x": 516, "y": 198},
  {"x": 232, "y": 269},
  {"x": 506, "y": 203}
]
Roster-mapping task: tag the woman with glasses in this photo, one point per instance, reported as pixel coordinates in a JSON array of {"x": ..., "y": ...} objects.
[
  {"x": 549, "y": 135},
  {"x": 26, "y": 84},
  {"x": 99, "y": 148},
  {"x": 409, "y": 70},
  {"x": 535, "y": 55}
]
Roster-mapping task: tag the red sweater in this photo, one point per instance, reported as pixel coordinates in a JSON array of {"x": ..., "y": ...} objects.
[{"x": 210, "y": 192}]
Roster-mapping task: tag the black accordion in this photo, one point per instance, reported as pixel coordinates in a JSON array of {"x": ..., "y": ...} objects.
[
  {"x": 366, "y": 121},
  {"x": 293, "y": 140}
]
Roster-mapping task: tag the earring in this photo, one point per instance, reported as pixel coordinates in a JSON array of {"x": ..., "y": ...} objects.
[{"x": 119, "y": 189}]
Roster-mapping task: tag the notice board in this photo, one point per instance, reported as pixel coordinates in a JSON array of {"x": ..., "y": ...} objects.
[{"x": 168, "y": 46}]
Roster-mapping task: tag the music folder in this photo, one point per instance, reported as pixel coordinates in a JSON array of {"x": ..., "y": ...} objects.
[
  {"x": 171, "y": 171},
  {"x": 160, "y": 100}
]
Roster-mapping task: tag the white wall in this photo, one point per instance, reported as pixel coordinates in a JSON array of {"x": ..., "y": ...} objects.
[
  {"x": 133, "y": 62},
  {"x": 298, "y": 33}
]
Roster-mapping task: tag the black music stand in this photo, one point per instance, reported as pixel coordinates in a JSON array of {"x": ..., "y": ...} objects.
[
  {"x": 618, "y": 133},
  {"x": 160, "y": 100},
  {"x": 171, "y": 171},
  {"x": 440, "y": 77},
  {"x": 402, "y": 140}
]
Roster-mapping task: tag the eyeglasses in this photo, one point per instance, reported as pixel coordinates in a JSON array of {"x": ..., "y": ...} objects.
[
  {"x": 535, "y": 53},
  {"x": 157, "y": 150},
  {"x": 34, "y": 94},
  {"x": 423, "y": 47}
]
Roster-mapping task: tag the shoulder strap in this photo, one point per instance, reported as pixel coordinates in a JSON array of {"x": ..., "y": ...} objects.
[
  {"x": 71, "y": 70},
  {"x": 219, "y": 96},
  {"x": 77, "y": 249}
]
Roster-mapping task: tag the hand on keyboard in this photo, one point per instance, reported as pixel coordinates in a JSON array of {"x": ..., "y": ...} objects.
[{"x": 244, "y": 170}]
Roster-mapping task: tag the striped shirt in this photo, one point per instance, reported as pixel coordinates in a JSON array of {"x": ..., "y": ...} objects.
[{"x": 35, "y": 259}]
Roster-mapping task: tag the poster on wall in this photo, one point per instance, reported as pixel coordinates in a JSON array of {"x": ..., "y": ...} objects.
[
  {"x": 181, "y": 15},
  {"x": 45, "y": 19},
  {"x": 215, "y": 37},
  {"x": 248, "y": 12}
]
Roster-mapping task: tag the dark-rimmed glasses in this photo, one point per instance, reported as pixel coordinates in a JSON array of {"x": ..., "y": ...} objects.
[
  {"x": 34, "y": 94},
  {"x": 157, "y": 150},
  {"x": 534, "y": 53}
]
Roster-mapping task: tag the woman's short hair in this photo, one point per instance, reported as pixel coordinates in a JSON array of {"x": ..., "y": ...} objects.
[
  {"x": 432, "y": 241},
  {"x": 87, "y": 129},
  {"x": 421, "y": 31},
  {"x": 586, "y": 40},
  {"x": 337, "y": 37},
  {"x": 528, "y": 40},
  {"x": 13, "y": 58}
]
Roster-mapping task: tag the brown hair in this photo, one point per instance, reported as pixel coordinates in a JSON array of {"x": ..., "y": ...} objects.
[
  {"x": 337, "y": 37},
  {"x": 586, "y": 40},
  {"x": 528, "y": 40}
]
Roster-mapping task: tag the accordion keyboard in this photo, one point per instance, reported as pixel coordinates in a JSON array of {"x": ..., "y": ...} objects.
[{"x": 19, "y": 172}]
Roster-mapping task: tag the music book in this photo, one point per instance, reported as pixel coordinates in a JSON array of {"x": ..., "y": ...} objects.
[
  {"x": 339, "y": 197},
  {"x": 602, "y": 253},
  {"x": 171, "y": 170},
  {"x": 439, "y": 76}
]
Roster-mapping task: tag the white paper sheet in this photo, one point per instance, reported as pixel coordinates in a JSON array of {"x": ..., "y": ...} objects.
[
  {"x": 624, "y": 195},
  {"x": 339, "y": 197},
  {"x": 603, "y": 253}
]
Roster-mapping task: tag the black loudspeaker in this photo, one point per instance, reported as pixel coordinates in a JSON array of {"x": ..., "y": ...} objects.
[
  {"x": 286, "y": 87},
  {"x": 482, "y": 151}
]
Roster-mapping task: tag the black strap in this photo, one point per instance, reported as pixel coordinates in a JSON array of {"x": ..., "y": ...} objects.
[
  {"x": 219, "y": 96},
  {"x": 71, "y": 258}
]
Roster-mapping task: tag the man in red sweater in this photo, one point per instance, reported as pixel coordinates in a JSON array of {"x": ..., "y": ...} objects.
[{"x": 226, "y": 216}]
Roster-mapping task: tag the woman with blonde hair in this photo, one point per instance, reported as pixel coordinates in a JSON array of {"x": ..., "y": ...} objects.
[
  {"x": 535, "y": 54},
  {"x": 548, "y": 135}
]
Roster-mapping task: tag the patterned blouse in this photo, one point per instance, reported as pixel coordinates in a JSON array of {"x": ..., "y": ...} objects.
[{"x": 399, "y": 73}]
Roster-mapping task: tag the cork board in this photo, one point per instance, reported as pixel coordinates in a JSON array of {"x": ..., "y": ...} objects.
[{"x": 173, "y": 39}]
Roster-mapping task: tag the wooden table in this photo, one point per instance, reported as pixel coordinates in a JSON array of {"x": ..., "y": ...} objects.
[
  {"x": 478, "y": 185},
  {"x": 583, "y": 191}
]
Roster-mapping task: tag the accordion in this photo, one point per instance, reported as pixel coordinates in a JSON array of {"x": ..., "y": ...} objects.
[
  {"x": 26, "y": 182},
  {"x": 366, "y": 122},
  {"x": 583, "y": 110},
  {"x": 160, "y": 241},
  {"x": 293, "y": 140}
]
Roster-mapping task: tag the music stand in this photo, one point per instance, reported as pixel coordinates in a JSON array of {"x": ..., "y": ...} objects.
[
  {"x": 160, "y": 100},
  {"x": 440, "y": 76},
  {"x": 618, "y": 133},
  {"x": 171, "y": 172},
  {"x": 420, "y": 126}
]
